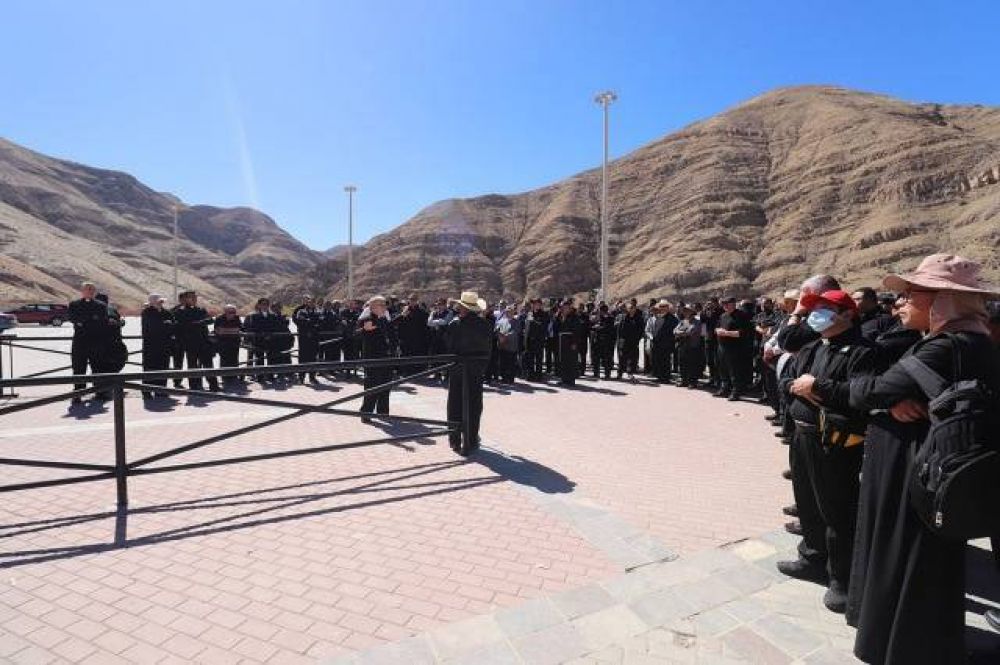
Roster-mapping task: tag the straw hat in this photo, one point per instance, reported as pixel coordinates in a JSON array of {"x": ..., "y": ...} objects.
[
  {"x": 471, "y": 301},
  {"x": 663, "y": 304},
  {"x": 943, "y": 272},
  {"x": 375, "y": 299}
]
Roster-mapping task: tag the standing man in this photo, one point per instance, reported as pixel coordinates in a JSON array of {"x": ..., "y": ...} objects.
[
  {"x": 469, "y": 336},
  {"x": 192, "y": 336},
  {"x": 536, "y": 326},
  {"x": 352, "y": 343},
  {"x": 631, "y": 328},
  {"x": 709, "y": 316},
  {"x": 735, "y": 335},
  {"x": 157, "y": 335},
  {"x": 508, "y": 331},
  {"x": 331, "y": 332},
  {"x": 228, "y": 329},
  {"x": 830, "y": 434},
  {"x": 259, "y": 327},
  {"x": 91, "y": 333},
  {"x": 307, "y": 324},
  {"x": 602, "y": 334},
  {"x": 377, "y": 336},
  {"x": 660, "y": 333},
  {"x": 437, "y": 323}
]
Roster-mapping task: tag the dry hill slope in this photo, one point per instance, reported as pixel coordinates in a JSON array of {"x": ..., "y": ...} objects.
[
  {"x": 61, "y": 222},
  {"x": 796, "y": 181}
]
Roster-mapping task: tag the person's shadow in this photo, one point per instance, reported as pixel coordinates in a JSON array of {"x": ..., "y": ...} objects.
[
  {"x": 87, "y": 409},
  {"x": 160, "y": 404},
  {"x": 404, "y": 428},
  {"x": 523, "y": 471}
]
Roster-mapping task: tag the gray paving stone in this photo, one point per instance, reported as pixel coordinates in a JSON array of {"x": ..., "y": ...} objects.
[
  {"x": 747, "y": 578},
  {"x": 745, "y": 609},
  {"x": 707, "y": 593},
  {"x": 791, "y": 638},
  {"x": 550, "y": 646},
  {"x": 528, "y": 617},
  {"x": 713, "y": 622},
  {"x": 577, "y": 602},
  {"x": 714, "y": 560},
  {"x": 781, "y": 539},
  {"x": 632, "y": 585},
  {"x": 415, "y": 650},
  {"x": 605, "y": 627},
  {"x": 829, "y": 656},
  {"x": 458, "y": 639},
  {"x": 500, "y": 653},
  {"x": 674, "y": 572},
  {"x": 661, "y": 608},
  {"x": 755, "y": 648}
]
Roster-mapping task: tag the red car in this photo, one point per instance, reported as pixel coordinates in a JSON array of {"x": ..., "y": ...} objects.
[{"x": 46, "y": 315}]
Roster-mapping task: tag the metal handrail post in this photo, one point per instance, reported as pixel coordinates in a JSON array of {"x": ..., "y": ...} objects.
[{"x": 121, "y": 464}]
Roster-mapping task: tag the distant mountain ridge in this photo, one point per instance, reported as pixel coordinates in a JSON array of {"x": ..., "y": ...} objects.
[
  {"x": 61, "y": 222},
  {"x": 796, "y": 181}
]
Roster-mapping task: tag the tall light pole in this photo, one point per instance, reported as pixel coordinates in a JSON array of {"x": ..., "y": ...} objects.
[
  {"x": 605, "y": 99},
  {"x": 176, "y": 250},
  {"x": 350, "y": 189}
]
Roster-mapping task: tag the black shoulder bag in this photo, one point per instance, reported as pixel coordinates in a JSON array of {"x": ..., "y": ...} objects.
[{"x": 955, "y": 478}]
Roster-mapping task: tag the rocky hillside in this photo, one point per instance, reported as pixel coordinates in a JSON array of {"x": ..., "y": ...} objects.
[
  {"x": 793, "y": 182},
  {"x": 62, "y": 222}
]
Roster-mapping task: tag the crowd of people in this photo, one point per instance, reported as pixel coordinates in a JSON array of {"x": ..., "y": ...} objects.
[{"x": 830, "y": 363}]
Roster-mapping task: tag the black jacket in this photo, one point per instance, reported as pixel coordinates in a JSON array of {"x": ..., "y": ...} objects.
[
  {"x": 377, "y": 343},
  {"x": 192, "y": 325},
  {"x": 838, "y": 359},
  {"x": 536, "y": 326},
  {"x": 90, "y": 320},
  {"x": 157, "y": 328},
  {"x": 631, "y": 327},
  {"x": 470, "y": 336},
  {"x": 740, "y": 321}
]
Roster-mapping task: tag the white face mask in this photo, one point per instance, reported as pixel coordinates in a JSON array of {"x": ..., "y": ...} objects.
[{"x": 820, "y": 320}]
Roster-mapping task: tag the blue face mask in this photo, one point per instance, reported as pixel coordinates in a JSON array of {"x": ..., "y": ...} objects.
[{"x": 821, "y": 319}]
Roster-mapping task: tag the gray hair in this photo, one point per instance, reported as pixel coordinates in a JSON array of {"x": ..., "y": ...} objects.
[
  {"x": 820, "y": 284},
  {"x": 154, "y": 298},
  {"x": 229, "y": 306}
]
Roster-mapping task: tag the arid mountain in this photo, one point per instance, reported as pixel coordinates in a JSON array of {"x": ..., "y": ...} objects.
[
  {"x": 62, "y": 222},
  {"x": 796, "y": 181}
]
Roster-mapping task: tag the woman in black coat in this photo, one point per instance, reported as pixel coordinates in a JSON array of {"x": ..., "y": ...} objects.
[{"x": 907, "y": 588}]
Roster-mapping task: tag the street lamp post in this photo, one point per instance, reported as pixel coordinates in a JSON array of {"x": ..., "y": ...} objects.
[
  {"x": 350, "y": 189},
  {"x": 176, "y": 250},
  {"x": 605, "y": 99}
]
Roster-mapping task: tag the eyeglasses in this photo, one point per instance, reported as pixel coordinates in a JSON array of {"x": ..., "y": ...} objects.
[{"x": 907, "y": 296}]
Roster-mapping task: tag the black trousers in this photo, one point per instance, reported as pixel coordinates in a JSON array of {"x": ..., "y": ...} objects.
[
  {"x": 308, "y": 351},
  {"x": 200, "y": 356},
  {"x": 155, "y": 357},
  {"x": 628, "y": 357},
  {"x": 602, "y": 355},
  {"x": 812, "y": 547},
  {"x": 475, "y": 402},
  {"x": 770, "y": 379},
  {"x": 83, "y": 354},
  {"x": 177, "y": 358},
  {"x": 735, "y": 367},
  {"x": 662, "y": 357},
  {"x": 508, "y": 366},
  {"x": 229, "y": 354},
  {"x": 834, "y": 477},
  {"x": 379, "y": 402},
  {"x": 551, "y": 353},
  {"x": 581, "y": 346},
  {"x": 712, "y": 359},
  {"x": 533, "y": 361}
]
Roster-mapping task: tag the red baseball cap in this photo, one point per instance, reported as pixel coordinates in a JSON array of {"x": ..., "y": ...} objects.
[{"x": 838, "y": 299}]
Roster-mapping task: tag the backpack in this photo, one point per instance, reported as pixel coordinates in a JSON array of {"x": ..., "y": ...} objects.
[{"x": 955, "y": 474}]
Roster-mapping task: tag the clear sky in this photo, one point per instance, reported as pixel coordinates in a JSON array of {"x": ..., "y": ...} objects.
[{"x": 278, "y": 104}]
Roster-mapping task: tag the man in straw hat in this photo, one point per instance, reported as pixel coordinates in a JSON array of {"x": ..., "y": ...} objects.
[
  {"x": 468, "y": 335},
  {"x": 660, "y": 334},
  {"x": 378, "y": 340}
]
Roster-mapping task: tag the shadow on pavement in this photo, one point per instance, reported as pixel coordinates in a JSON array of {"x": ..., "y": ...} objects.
[
  {"x": 257, "y": 508},
  {"x": 523, "y": 471}
]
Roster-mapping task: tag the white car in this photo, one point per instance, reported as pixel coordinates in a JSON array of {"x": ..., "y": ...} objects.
[{"x": 7, "y": 321}]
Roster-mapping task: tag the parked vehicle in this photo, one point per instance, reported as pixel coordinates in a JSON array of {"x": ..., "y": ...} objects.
[
  {"x": 7, "y": 321},
  {"x": 42, "y": 314}
]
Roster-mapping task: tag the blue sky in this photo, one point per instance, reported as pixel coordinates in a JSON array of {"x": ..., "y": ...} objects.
[{"x": 279, "y": 104}]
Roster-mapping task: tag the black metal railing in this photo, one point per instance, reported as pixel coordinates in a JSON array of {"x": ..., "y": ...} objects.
[{"x": 117, "y": 384}]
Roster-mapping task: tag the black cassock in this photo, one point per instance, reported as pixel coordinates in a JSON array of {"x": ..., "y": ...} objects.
[{"x": 907, "y": 590}]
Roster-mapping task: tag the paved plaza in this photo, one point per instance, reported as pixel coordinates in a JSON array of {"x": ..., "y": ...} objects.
[{"x": 609, "y": 523}]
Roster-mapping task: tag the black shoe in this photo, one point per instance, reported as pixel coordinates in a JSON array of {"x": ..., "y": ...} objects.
[
  {"x": 787, "y": 474},
  {"x": 774, "y": 418},
  {"x": 791, "y": 511},
  {"x": 455, "y": 443},
  {"x": 779, "y": 435},
  {"x": 735, "y": 397},
  {"x": 801, "y": 569},
  {"x": 835, "y": 598},
  {"x": 366, "y": 420},
  {"x": 76, "y": 400},
  {"x": 794, "y": 528},
  {"x": 719, "y": 393},
  {"x": 993, "y": 619}
]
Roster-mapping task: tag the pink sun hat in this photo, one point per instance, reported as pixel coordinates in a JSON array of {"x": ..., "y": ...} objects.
[{"x": 943, "y": 272}]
